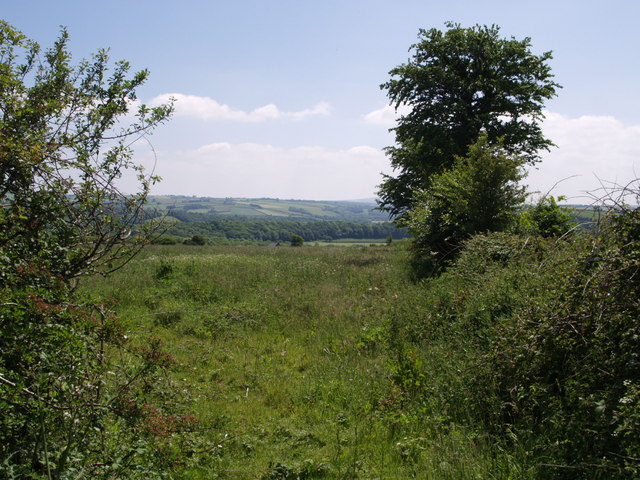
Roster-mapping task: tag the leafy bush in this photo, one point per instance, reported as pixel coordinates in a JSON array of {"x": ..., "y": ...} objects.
[
  {"x": 547, "y": 218},
  {"x": 77, "y": 397},
  {"x": 549, "y": 335},
  {"x": 296, "y": 240},
  {"x": 545, "y": 336},
  {"x": 305, "y": 470},
  {"x": 68, "y": 407},
  {"x": 479, "y": 193},
  {"x": 196, "y": 240},
  {"x": 567, "y": 363},
  {"x": 165, "y": 240}
]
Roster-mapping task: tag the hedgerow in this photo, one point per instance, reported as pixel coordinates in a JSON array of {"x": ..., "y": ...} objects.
[{"x": 544, "y": 335}]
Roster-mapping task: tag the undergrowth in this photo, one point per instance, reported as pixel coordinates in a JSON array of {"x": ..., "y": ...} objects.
[
  {"x": 289, "y": 358},
  {"x": 520, "y": 361}
]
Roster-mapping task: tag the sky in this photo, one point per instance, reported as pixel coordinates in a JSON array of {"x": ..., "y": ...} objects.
[{"x": 281, "y": 98}]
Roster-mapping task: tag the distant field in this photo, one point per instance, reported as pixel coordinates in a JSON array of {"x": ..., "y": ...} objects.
[
  {"x": 270, "y": 208},
  {"x": 235, "y": 221},
  {"x": 350, "y": 242}
]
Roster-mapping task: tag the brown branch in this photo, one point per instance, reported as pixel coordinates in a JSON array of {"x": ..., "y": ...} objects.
[{"x": 24, "y": 390}]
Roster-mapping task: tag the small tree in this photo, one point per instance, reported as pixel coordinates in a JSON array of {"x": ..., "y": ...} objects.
[
  {"x": 479, "y": 193},
  {"x": 68, "y": 409},
  {"x": 296, "y": 240},
  {"x": 65, "y": 145}
]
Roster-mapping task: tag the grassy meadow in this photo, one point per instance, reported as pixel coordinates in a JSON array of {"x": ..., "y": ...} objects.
[{"x": 289, "y": 360}]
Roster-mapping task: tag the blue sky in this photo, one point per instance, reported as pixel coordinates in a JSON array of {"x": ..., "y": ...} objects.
[{"x": 281, "y": 98}]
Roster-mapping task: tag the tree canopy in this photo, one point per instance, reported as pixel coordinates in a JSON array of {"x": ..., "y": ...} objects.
[{"x": 459, "y": 84}]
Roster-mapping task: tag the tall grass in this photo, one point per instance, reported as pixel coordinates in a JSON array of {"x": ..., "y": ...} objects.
[{"x": 291, "y": 360}]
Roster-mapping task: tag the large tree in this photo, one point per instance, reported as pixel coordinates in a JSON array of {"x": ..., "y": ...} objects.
[{"x": 459, "y": 84}]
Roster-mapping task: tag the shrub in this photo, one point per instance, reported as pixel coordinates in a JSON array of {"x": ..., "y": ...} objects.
[
  {"x": 546, "y": 337},
  {"x": 165, "y": 240},
  {"x": 479, "y": 193},
  {"x": 69, "y": 409},
  {"x": 566, "y": 363},
  {"x": 196, "y": 240},
  {"x": 547, "y": 218},
  {"x": 296, "y": 240}
]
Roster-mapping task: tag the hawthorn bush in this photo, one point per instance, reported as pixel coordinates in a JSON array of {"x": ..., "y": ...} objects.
[
  {"x": 78, "y": 399},
  {"x": 478, "y": 193}
]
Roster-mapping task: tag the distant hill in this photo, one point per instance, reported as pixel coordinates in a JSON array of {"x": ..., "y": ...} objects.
[
  {"x": 231, "y": 220},
  {"x": 267, "y": 209},
  {"x": 223, "y": 220}
]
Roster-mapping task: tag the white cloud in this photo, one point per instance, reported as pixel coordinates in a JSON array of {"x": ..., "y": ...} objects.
[
  {"x": 262, "y": 170},
  {"x": 206, "y": 108},
  {"x": 592, "y": 151},
  {"x": 386, "y": 116}
]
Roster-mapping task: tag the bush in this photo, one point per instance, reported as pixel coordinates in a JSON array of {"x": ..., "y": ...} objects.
[
  {"x": 196, "y": 240},
  {"x": 296, "y": 240},
  {"x": 566, "y": 364},
  {"x": 69, "y": 408},
  {"x": 547, "y": 218},
  {"x": 546, "y": 337},
  {"x": 165, "y": 240},
  {"x": 480, "y": 193}
]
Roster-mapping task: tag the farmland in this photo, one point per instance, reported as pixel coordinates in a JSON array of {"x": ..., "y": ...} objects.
[
  {"x": 229, "y": 221},
  {"x": 270, "y": 208}
]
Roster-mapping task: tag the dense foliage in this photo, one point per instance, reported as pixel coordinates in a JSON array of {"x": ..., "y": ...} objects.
[
  {"x": 566, "y": 362},
  {"x": 549, "y": 219},
  {"x": 479, "y": 193},
  {"x": 69, "y": 407},
  {"x": 548, "y": 332},
  {"x": 459, "y": 84}
]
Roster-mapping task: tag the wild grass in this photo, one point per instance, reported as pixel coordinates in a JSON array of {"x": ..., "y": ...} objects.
[{"x": 288, "y": 358}]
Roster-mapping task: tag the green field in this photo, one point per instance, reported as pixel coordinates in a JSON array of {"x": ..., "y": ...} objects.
[
  {"x": 284, "y": 357},
  {"x": 270, "y": 208},
  {"x": 518, "y": 362}
]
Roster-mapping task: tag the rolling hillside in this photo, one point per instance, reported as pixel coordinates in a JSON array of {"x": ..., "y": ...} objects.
[{"x": 269, "y": 208}]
